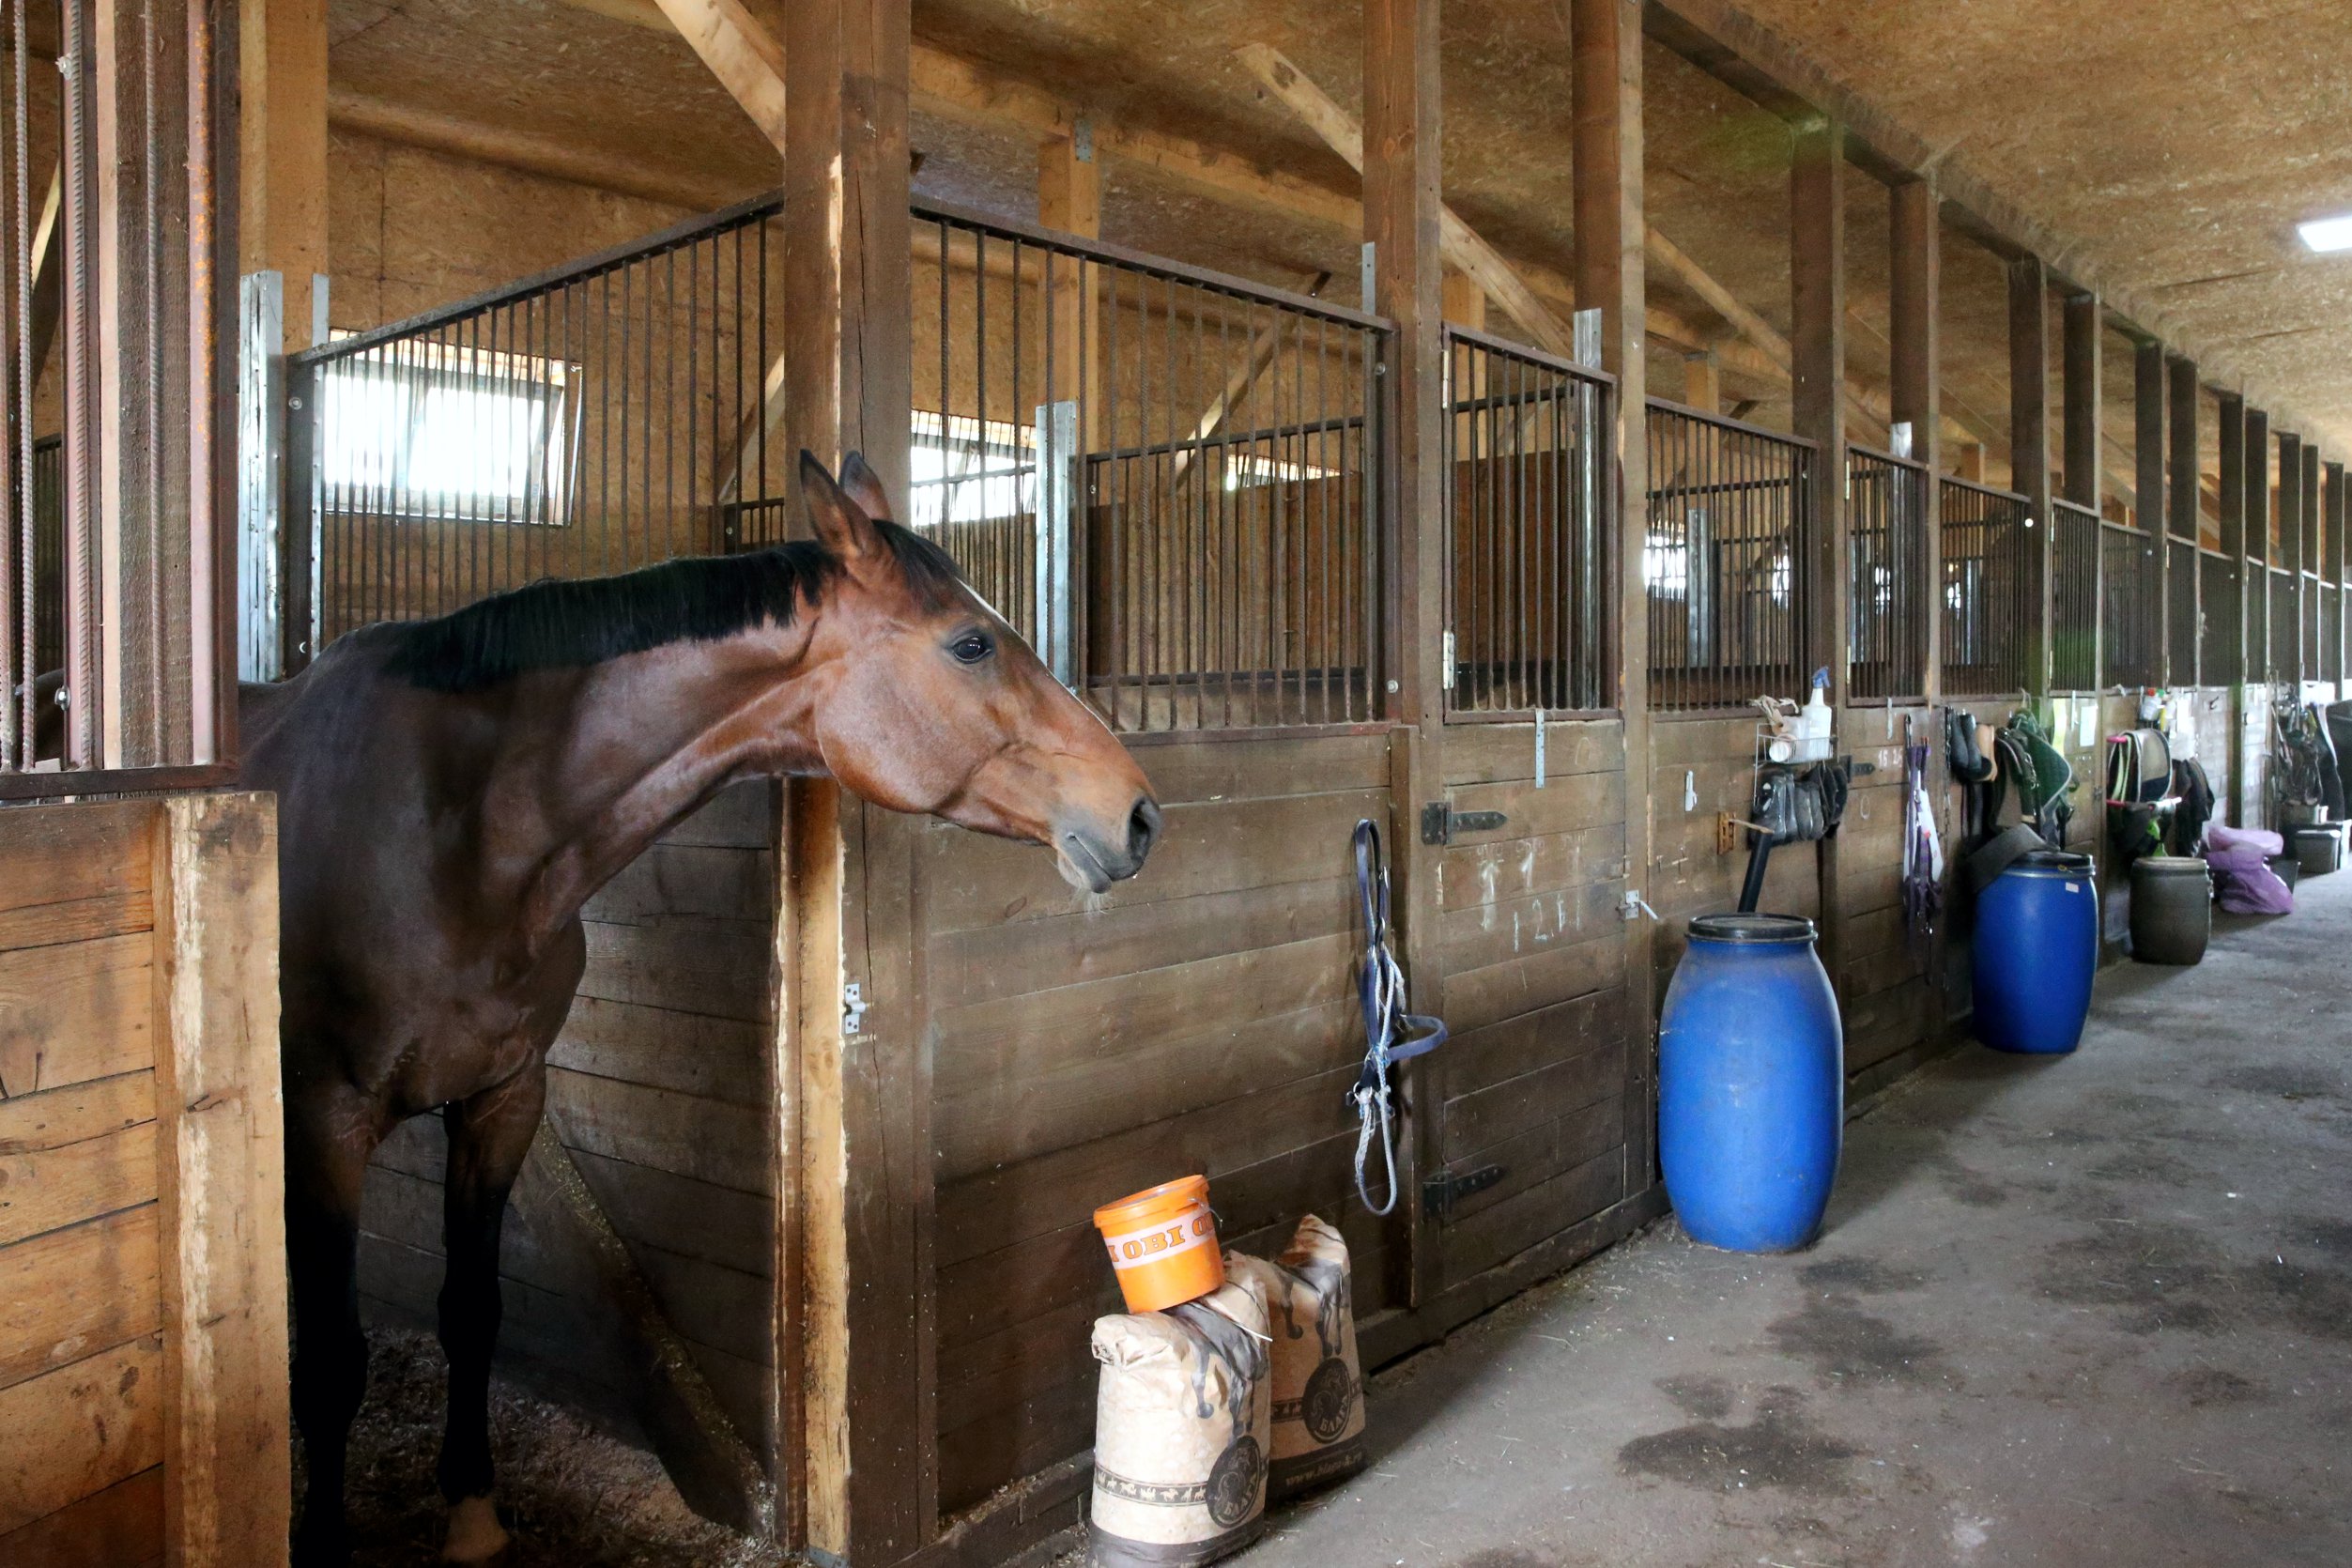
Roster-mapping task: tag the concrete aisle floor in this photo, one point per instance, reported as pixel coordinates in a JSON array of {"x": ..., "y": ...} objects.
[{"x": 2087, "y": 1310}]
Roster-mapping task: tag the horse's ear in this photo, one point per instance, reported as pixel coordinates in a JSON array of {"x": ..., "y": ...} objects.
[
  {"x": 843, "y": 526},
  {"x": 864, "y": 486}
]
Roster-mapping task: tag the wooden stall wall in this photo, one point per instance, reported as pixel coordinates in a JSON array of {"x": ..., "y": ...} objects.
[
  {"x": 1544, "y": 1089},
  {"x": 143, "y": 1327},
  {"x": 1200, "y": 1019},
  {"x": 659, "y": 1086},
  {"x": 1700, "y": 767}
]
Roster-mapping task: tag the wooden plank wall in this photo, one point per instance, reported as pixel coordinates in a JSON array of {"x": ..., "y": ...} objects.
[
  {"x": 1547, "y": 1075},
  {"x": 81, "y": 1286},
  {"x": 142, "y": 1402},
  {"x": 660, "y": 1084},
  {"x": 1201, "y": 1018}
]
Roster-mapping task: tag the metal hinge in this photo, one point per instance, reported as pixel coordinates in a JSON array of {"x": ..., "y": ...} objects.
[
  {"x": 1445, "y": 664},
  {"x": 1441, "y": 821},
  {"x": 852, "y": 1008},
  {"x": 1439, "y": 1193}
]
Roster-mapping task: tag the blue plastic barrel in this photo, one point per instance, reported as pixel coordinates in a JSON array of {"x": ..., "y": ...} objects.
[
  {"x": 2036, "y": 949},
  {"x": 1751, "y": 1084}
]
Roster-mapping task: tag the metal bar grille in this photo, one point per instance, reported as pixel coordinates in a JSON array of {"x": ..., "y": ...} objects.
[
  {"x": 2330, "y": 631},
  {"x": 612, "y": 414},
  {"x": 109, "y": 223},
  {"x": 2074, "y": 597},
  {"x": 2307, "y": 618},
  {"x": 1886, "y": 507},
  {"x": 2220, "y": 659},
  {"x": 2181, "y": 624},
  {"x": 1725, "y": 553},
  {"x": 1167, "y": 478},
  {"x": 1526, "y": 457},
  {"x": 1987, "y": 600},
  {"x": 2129, "y": 628}
]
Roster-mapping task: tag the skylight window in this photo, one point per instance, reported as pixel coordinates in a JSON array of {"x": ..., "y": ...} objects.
[{"x": 2328, "y": 236}]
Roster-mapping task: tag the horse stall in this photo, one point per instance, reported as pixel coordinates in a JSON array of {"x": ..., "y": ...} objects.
[
  {"x": 143, "y": 1312},
  {"x": 1170, "y": 480}
]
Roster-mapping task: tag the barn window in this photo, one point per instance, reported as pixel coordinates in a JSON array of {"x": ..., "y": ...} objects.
[
  {"x": 963, "y": 469},
  {"x": 438, "y": 432}
]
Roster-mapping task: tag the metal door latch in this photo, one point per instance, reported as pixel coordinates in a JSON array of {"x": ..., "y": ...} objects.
[
  {"x": 1440, "y": 1191},
  {"x": 1441, "y": 821},
  {"x": 852, "y": 1008}
]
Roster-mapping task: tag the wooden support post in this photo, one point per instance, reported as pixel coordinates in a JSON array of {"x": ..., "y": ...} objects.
[
  {"x": 1969, "y": 462},
  {"x": 863, "y": 1173},
  {"x": 1702, "y": 381},
  {"x": 2181, "y": 501},
  {"x": 1915, "y": 354},
  {"x": 1605, "y": 82},
  {"x": 222, "y": 1181},
  {"x": 2331, "y": 634},
  {"x": 2084, "y": 374},
  {"x": 2147, "y": 487},
  {"x": 2307, "y": 581},
  {"x": 282, "y": 158},
  {"x": 2231, "y": 434},
  {"x": 1403, "y": 118},
  {"x": 2029, "y": 450},
  {"x": 1069, "y": 198},
  {"x": 1817, "y": 323},
  {"x": 2287, "y": 663},
  {"x": 2260, "y": 552}
]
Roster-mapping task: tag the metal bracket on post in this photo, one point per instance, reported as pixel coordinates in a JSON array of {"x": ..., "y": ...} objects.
[
  {"x": 260, "y": 475},
  {"x": 1584, "y": 336},
  {"x": 1368, "y": 268},
  {"x": 1058, "y": 461}
]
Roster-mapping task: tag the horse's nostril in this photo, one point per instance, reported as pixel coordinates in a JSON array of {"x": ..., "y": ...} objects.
[{"x": 1143, "y": 828}]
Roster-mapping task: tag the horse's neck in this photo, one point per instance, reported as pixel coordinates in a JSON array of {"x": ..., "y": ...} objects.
[{"x": 585, "y": 783}]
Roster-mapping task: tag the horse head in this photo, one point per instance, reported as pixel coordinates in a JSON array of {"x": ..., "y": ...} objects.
[{"x": 936, "y": 705}]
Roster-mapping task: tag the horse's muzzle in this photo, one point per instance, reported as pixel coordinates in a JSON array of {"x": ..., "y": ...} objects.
[{"x": 1094, "y": 858}]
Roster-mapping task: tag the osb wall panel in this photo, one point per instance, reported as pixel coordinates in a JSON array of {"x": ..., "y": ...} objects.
[
  {"x": 82, "y": 1394},
  {"x": 1199, "y": 1018},
  {"x": 659, "y": 1085}
]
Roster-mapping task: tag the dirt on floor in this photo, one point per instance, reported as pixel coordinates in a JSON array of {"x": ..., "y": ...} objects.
[{"x": 573, "y": 1496}]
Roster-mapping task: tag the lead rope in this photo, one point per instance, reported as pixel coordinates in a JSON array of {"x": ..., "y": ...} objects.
[{"x": 1391, "y": 1034}]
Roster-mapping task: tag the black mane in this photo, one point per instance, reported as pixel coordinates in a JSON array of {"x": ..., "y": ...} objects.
[{"x": 559, "y": 624}]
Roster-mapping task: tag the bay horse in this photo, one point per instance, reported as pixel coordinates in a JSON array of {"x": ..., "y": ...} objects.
[{"x": 450, "y": 793}]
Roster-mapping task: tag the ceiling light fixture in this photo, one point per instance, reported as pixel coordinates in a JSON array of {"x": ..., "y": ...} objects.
[{"x": 2326, "y": 235}]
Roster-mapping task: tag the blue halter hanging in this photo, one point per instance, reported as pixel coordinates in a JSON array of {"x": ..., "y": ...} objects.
[{"x": 1391, "y": 1034}]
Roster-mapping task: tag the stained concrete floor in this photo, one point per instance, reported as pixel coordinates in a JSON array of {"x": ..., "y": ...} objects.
[{"x": 2087, "y": 1310}]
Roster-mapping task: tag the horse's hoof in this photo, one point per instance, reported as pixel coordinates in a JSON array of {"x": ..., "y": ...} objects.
[{"x": 475, "y": 1534}]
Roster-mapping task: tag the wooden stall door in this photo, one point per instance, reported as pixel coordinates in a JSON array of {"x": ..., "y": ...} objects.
[
  {"x": 1544, "y": 1115},
  {"x": 143, "y": 1323}
]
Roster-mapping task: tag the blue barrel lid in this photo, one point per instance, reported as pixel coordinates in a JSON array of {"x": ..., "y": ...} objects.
[
  {"x": 1751, "y": 929},
  {"x": 2052, "y": 863}
]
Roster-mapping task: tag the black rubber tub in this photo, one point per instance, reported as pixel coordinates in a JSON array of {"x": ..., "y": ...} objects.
[
  {"x": 2171, "y": 908},
  {"x": 2318, "y": 850}
]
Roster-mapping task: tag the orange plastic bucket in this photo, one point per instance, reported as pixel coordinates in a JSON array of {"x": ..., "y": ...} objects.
[{"x": 1163, "y": 1243}]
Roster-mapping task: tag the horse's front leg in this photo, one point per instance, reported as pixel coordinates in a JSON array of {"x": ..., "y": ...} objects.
[
  {"x": 489, "y": 1135},
  {"x": 328, "y": 1139}
]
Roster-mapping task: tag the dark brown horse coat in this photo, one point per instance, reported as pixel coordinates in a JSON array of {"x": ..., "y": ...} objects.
[{"x": 450, "y": 793}]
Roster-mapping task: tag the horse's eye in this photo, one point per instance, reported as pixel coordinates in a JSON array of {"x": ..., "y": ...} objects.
[{"x": 971, "y": 647}]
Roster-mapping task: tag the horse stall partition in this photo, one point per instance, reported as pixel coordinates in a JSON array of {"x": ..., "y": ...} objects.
[
  {"x": 2074, "y": 597},
  {"x": 1886, "y": 502},
  {"x": 609, "y": 414},
  {"x": 2130, "y": 609},
  {"x": 1724, "y": 554},
  {"x": 1986, "y": 605}
]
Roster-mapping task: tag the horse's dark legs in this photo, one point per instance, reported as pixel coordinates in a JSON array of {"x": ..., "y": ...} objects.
[
  {"x": 489, "y": 1135},
  {"x": 326, "y": 1161}
]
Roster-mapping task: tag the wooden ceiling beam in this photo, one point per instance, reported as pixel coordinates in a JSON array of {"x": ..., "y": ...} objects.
[{"x": 740, "y": 52}]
